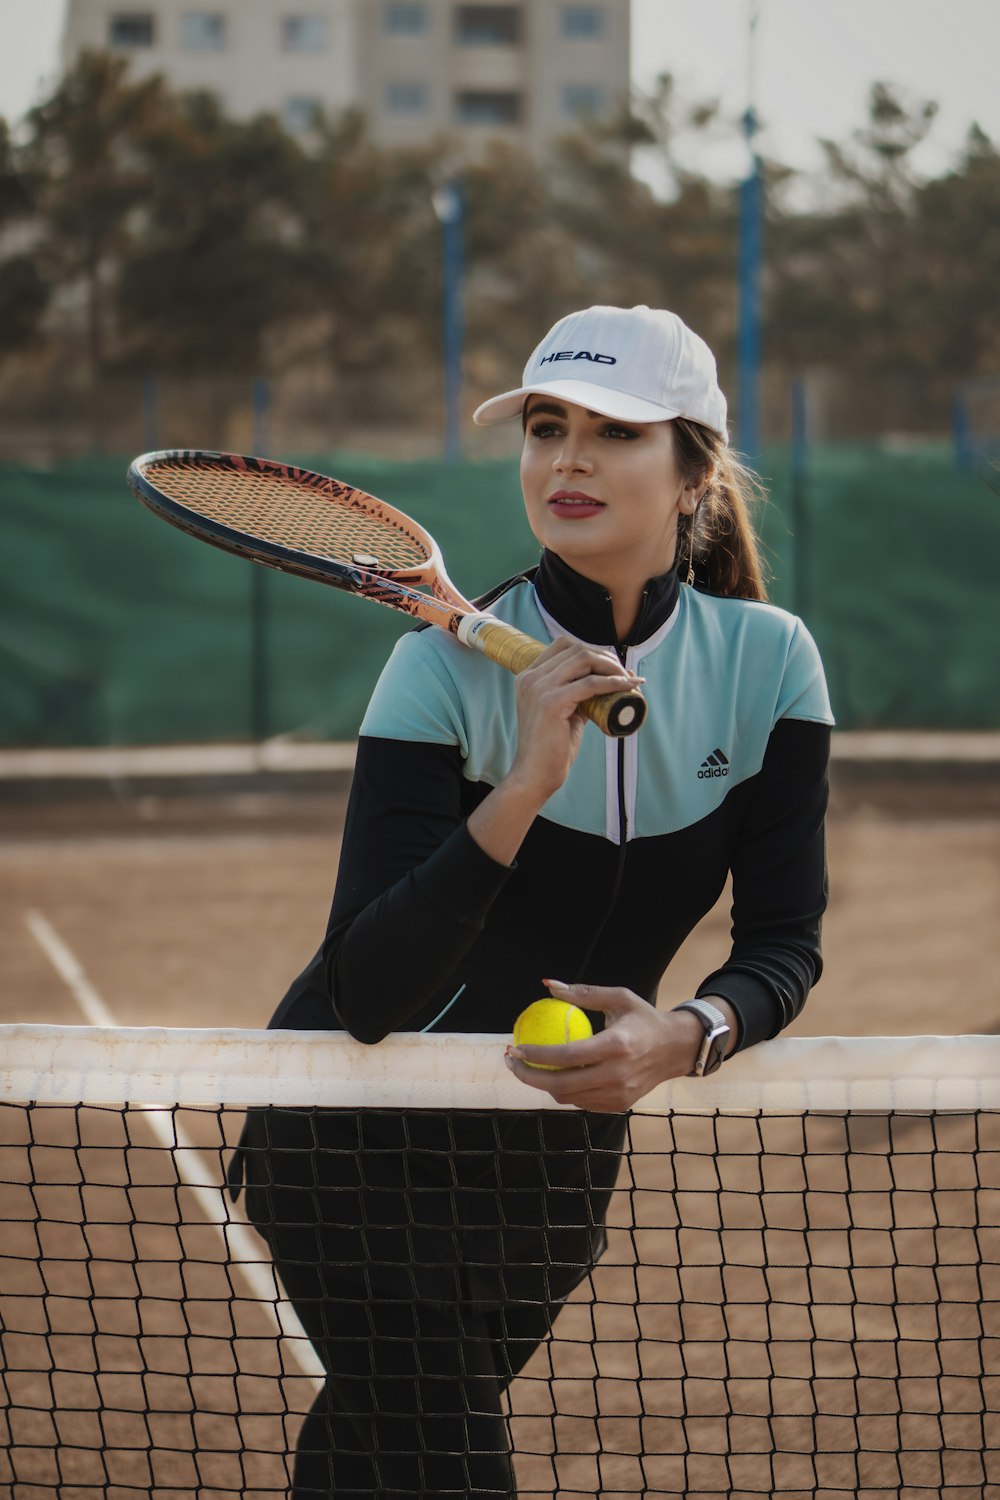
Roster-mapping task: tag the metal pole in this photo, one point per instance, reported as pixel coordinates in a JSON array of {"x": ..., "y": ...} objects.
[
  {"x": 748, "y": 336},
  {"x": 449, "y": 209}
]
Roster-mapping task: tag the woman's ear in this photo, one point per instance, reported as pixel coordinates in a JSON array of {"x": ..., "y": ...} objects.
[{"x": 695, "y": 491}]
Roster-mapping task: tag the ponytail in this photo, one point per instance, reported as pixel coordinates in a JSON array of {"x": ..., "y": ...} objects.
[{"x": 719, "y": 541}]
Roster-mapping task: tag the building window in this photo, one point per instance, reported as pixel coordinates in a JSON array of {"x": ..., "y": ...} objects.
[
  {"x": 132, "y": 28},
  {"x": 487, "y": 108},
  {"x": 302, "y": 113},
  {"x": 304, "y": 33},
  {"x": 406, "y": 99},
  {"x": 581, "y": 23},
  {"x": 487, "y": 25},
  {"x": 405, "y": 19},
  {"x": 203, "y": 31},
  {"x": 582, "y": 99}
]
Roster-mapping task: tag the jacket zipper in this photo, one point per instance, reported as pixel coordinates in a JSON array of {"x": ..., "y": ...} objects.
[
  {"x": 622, "y": 845},
  {"x": 619, "y": 869}
]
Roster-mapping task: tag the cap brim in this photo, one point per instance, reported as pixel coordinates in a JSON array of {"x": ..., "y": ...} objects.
[{"x": 582, "y": 393}]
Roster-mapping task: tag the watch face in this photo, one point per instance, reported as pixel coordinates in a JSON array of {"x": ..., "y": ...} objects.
[
  {"x": 713, "y": 1061},
  {"x": 714, "y": 1050}
]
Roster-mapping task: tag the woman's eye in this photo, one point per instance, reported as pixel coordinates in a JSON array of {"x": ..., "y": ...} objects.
[
  {"x": 542, "y": 429},
  {"x": 615, "y": 431}
]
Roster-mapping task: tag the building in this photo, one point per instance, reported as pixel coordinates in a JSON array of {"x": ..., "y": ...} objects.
[
  {"x": 254, "y": 55},
  {"x": 525, "y": 71},
  {"x": 420, "y": 69}
]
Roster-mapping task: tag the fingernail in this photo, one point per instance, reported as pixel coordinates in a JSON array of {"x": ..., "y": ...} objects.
[{"x": 556, "y": 984}]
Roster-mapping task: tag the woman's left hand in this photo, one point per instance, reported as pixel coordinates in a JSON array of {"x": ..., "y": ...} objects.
[{"x": 639, "y": 1047}]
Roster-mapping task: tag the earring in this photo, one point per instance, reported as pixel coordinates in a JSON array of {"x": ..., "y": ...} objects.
[{"x": 689, "y": 580}]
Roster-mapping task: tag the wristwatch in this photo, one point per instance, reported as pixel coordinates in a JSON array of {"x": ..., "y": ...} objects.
[{"x": 713, "y": 1048}]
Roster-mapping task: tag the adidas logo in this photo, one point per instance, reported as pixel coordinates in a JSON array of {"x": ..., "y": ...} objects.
[{"x": 715, "y": 764}]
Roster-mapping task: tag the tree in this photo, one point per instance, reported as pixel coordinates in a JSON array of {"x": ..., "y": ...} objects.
[
  {"x": 658, "y": 123},
  {"x": 84, "y": 151},
  {"x": 842, "y": 277},
  {"x": 219, "y": 257},
  {"x": 170, "y": 238},
  {"x": 24, "y": 294},
  {"x": 955, "y": 290},
  {"x": 370, "y": 270},
  {"x": 526, "y": 267}
]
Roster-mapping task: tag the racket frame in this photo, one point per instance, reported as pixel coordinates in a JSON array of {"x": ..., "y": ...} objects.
[
  {"x": 351, "y": 577},
  {"x": 616, "y": 714}
]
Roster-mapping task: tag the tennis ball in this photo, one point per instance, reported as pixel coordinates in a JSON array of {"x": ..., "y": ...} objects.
[{"x": 549, "y": 1022}]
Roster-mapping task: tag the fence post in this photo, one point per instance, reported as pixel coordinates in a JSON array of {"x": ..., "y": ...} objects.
[
  {"x": 260, "y": 677},
  {"x": 961, "y": 434},
  {"x": 799, "y": 498},
  {"x": 261, "y": 412},
  {"x": 150, "y": 425}
]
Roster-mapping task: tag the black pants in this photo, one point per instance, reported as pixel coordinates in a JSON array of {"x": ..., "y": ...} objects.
[{"x": 426, "y": 1255}]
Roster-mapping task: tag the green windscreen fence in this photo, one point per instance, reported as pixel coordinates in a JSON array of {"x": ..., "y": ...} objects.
[{"x": 115, "y": 629}]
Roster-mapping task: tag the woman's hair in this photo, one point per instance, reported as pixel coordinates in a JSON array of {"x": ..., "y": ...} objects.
[{"x": 719, "y": 540}]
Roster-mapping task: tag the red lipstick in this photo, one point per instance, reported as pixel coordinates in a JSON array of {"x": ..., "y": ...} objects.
[{"x": 573, "y": 504}]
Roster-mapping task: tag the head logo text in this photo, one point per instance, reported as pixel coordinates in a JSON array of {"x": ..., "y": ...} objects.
[{"x": 595, "y": 359}]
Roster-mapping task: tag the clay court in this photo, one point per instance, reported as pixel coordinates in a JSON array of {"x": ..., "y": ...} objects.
[
  {"x": 194, "y": 902},
  {"x": 741, "y": 1350}
]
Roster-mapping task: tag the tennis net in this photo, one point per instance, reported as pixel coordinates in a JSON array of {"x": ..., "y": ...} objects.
[{"x": 800, "y": 1294}]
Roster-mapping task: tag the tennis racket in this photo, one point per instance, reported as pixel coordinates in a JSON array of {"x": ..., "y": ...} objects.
[{"x": 320, "y": 528}]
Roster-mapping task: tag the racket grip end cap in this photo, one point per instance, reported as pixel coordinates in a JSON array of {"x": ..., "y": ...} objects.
[{"x": 617, "y": 714}]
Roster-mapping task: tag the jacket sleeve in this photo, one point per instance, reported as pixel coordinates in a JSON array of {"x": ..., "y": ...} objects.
[
  {"x": 779, "y": 885},
  {"x": 413, "y": 889}
]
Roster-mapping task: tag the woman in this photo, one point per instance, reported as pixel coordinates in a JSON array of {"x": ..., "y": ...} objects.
[{"x": 494, "y": 845}]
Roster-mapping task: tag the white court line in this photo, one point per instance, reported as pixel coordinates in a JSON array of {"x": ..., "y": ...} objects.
[
  {"x": 243, "y": 1248},
  {"x": 69, "y": 969}
]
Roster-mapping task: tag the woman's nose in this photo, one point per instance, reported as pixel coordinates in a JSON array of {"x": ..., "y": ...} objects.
[{"x": 573, "y": 455}]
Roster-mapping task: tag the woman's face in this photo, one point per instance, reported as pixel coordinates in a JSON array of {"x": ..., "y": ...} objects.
[{"x": 603, "y": 494}]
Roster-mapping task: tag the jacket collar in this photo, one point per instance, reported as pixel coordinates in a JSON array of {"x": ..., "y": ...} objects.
[{"x": 584, "y": 607}]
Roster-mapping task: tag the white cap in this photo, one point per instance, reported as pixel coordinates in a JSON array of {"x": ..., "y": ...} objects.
[{"x": 638, "y": 364}]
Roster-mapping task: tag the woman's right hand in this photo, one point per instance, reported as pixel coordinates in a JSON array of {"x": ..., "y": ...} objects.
[
  {"x": 549, "y": 730},
  {"x": 549, "y": 695}
]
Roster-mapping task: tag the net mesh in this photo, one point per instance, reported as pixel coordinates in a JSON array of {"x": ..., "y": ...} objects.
[{"x": 792, "y": 1302}]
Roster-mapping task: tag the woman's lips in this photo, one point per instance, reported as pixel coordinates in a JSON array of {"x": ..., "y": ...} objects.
[{"x": 573, "y": 504}]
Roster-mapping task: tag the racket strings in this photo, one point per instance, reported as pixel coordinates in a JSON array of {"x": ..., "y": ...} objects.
[{"x": 283, "y": 507}]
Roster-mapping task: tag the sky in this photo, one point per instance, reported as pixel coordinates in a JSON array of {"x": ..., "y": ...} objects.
[{"x": 814, "y": 63}]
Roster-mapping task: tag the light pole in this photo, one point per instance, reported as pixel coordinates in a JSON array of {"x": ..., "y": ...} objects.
[
  {"x": 447, "y": 201},
  {"x": 748, "y": 338}
]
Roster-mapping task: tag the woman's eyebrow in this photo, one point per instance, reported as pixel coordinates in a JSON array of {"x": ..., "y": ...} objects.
[{"x": 551, "y": 408}]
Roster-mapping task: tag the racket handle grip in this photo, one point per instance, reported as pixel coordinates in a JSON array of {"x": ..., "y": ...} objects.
[{"x": 616, "y": 714}]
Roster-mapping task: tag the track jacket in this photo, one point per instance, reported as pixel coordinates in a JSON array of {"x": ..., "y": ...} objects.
[{"x": 728, "y": 773}]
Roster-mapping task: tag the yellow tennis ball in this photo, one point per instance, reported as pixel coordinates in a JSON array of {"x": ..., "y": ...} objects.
[{"x": 546, "y": 1023}]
